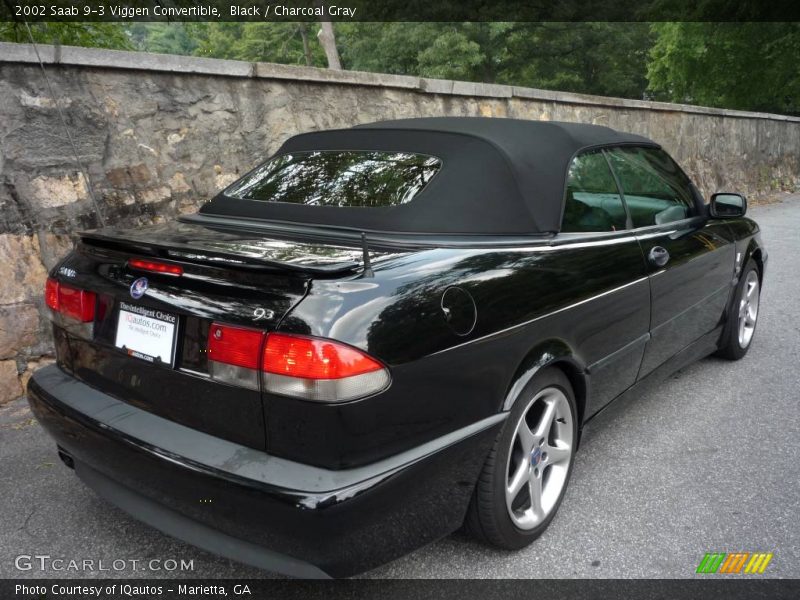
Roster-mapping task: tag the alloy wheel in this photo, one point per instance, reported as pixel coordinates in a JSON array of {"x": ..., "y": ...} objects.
[
  {"x": 748, "y": 309},
  {"x": 540, "y": 458}
]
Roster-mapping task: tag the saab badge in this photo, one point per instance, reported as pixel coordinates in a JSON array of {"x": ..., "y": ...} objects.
[{"x": 138, "y": 288}]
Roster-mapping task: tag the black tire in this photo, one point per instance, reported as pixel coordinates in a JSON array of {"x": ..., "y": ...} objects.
[
  {"x": 730, "y": 346},
  {"x": 488, "y": 517}
]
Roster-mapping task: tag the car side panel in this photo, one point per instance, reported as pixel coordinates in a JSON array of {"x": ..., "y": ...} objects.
[
  {"x": 690, "y": 293},
  {"x": 591, "y": 294},
  {"x": 748, "y": 241}
]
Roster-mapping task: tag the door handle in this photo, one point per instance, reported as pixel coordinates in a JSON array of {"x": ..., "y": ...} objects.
[{"x": 658, "y": 256}]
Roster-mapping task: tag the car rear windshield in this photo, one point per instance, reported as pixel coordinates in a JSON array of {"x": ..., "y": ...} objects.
[{"x": 347, "y": 178}]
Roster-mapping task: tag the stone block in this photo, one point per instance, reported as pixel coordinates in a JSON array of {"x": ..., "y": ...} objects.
[
  {"x": 55, "y": 191},
  {"x": 32, "y": 367},
  {"x": 10, "y": 386},
  {"x": 22, "y": 274},
  {"x": 20, "y": 329}
]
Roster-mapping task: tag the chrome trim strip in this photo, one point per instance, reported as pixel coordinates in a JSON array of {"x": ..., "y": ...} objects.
[
  {"x": 609, "y": 358},
  {"x": 725, "y": 288},
  {"x": 544, "y": 316}
]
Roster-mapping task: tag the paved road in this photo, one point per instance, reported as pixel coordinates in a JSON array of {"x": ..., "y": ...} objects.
[{"x": 708, "y": 462}]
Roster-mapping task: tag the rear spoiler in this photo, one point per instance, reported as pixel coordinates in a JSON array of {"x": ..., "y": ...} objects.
[{"x": 245, "y": 258}]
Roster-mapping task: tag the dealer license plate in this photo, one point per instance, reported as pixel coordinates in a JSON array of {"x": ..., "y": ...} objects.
[{"x": 146, "y": 333}]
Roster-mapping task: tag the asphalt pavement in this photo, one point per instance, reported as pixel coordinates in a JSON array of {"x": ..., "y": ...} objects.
[{"x": 709, "y": 461}]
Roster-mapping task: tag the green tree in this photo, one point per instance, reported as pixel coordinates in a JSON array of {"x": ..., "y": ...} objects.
[
  {"x": 608, "y": 59},
  {"x": 384, "y": 47},
  {"x": 595, "y": 58},
  {"x": 451, "y": 55},
  {"x": 471, "y": 51},
  {"x": 748, "y": 66},
  {"x": 215, "y": 40},
  {"x": 287, "y": 43},
  {"x": 90, "y": 35},
  {"x": 163, "y": 38}
]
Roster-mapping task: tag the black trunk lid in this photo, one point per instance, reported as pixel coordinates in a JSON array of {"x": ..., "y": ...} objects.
[{"x": 228, "y": 276}]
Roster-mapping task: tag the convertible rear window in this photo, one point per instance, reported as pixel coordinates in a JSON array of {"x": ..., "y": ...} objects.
[{"x": 346, "y": 178}]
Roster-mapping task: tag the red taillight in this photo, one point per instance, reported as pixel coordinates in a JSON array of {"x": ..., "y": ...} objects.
[
  {"x": 155, "y": 267},
  {"x": 319, "y": 370},
  {"x": 312, "y": 358},
  {"x": 290, "y": 365},
  {"x": 234, "y": 345},
  {"x": 51, "y": 294},
  {"x": 69, "y": 301},
  {"x": 77, "y": 304}
]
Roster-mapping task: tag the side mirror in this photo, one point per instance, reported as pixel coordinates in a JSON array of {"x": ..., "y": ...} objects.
[{"x": 726, "y": 206}]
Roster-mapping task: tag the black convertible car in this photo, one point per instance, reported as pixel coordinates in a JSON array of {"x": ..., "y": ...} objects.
[{"x": 385, "y": 332}]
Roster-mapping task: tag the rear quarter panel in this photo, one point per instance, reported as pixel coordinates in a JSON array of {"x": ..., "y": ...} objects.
[{"x": 442, "y": 381}]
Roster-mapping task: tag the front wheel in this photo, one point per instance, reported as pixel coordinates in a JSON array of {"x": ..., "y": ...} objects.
[
  {"x": 741, "y": 326},
  {"x": 526, "y": 474}
]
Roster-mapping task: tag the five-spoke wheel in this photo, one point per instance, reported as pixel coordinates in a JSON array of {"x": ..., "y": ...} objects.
[
  {"x": 539, "y": 458},
  {"x": 737, "y": 337},
  {"x": 748, "y": 308},
  {"x": 526, "y": 473}
]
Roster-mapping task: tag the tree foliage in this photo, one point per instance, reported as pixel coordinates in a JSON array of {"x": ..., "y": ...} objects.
[
  {"x": 608, "y": 59},
  {"x": 595, "y": 58},
  {"x": 163, "y": 38},
  {"x": 287, "y": 43},
  {"x": 749, "y": 66},
  {"x": 89, "y": 35}
]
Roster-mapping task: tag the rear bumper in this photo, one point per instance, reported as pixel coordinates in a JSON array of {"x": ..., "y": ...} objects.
[{"x": 269, "y": 512}]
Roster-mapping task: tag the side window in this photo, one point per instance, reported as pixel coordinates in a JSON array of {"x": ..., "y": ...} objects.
[
  {"x": 592, "y": 201},
  {"x": 656, "y": 190}
]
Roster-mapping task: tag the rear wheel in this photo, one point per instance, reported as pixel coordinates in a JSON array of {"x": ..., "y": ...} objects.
[
  {"x": 741, "y": 326},
  {"x": 526, "y": 474}
]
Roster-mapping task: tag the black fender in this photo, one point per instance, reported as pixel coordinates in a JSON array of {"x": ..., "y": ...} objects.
[
  {"x": 749, "y": 245},
  {"x": 747, "y": 238},
  {"x": 551, "y": 353},
  {"x": 755, "y": 250}
]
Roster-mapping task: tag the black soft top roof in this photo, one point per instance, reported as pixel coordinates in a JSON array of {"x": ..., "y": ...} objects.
[{"x": 498, "y": 176}]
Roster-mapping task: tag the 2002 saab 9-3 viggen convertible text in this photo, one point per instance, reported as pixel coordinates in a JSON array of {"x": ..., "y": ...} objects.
[{"x": 385, "y": 332}]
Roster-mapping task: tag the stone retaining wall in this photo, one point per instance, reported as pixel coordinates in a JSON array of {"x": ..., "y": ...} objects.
[{"x": 160, "y": 134}]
